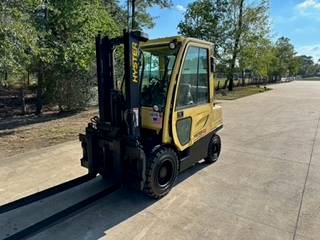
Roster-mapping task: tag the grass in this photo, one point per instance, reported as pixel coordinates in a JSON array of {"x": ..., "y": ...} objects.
[
  {"x": 222, "y": 81},
  {"x": 239, "y": 93},
  {"x": 309, "y": 79}
]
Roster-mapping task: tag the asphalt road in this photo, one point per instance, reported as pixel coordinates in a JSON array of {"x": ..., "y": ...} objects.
[{"x": 266, "y": 184}]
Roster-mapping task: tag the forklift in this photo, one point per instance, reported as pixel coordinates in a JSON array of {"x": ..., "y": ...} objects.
[{"x": 162, "y": 117}]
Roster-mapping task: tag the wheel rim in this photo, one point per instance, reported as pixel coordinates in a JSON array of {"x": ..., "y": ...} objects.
[{"x": 165, "y": 173}]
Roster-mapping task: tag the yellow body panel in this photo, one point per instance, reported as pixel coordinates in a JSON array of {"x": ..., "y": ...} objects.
[{"x": 205, "y": 117}]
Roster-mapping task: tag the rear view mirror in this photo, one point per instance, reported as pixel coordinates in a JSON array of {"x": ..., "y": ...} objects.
[{"x": 213, "y": 64}]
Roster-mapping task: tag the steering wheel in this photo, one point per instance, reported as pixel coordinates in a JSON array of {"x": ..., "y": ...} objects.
[{"x": 154, "y": 81}]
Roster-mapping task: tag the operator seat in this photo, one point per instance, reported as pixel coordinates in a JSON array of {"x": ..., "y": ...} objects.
[{"x": 185, "y": 97}]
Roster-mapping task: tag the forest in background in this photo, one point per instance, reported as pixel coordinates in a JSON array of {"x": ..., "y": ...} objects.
[{"x": 47, "y": 47}]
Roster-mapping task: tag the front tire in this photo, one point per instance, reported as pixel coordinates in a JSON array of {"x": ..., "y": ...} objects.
[
  {"x": 214, "y": 149},
  {"x": 161, "y": 172}
]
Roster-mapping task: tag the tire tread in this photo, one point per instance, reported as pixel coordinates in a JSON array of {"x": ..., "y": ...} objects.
[{"x": 150, "y": 165}]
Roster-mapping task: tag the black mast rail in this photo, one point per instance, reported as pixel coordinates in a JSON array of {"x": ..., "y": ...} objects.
[
  {"x": 45, "y": 193},
  {"x": 60, "y": 216}
]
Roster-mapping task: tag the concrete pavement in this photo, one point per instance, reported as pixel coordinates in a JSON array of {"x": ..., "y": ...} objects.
[{"x": 266, "y": 184}]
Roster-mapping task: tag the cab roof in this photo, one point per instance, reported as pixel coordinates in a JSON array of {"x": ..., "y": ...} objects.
[{"x": 160, "y": 41}]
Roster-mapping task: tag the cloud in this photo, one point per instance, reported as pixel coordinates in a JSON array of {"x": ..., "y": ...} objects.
[
  {"x": 180, "y": 8},
  {"x": 310, "y": 50},
  {"x": 308, "y": 5}
]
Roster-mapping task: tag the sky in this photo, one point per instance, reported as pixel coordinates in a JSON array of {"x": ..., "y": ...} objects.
[{"x": 299, "y": 20}]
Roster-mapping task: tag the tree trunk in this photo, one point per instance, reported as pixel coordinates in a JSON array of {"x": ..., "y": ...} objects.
[
  {"x": 6, "y": 78},
  {"x": 28, "y": 79},
  {"x": 23, "y": 101},
  {"x": 243, "y": 78},
  {"x": 236, "y": 46},
  {"x": 225, "y": 84},
  {"x": 39, "y": 102}
]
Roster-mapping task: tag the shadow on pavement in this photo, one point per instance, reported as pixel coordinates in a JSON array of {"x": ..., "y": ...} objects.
[{"x": 94, "y": 222}]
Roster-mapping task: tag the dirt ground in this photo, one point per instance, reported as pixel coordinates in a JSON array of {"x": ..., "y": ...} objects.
[{"x": 52, "y": 131}]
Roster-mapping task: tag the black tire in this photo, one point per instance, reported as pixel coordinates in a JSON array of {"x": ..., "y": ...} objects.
[
  {"x": 214, "y": 149},
  {"x": 161, "y": 172}
]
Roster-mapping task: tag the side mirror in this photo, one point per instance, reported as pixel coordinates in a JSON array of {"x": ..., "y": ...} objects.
[{"x": 213, "y": 64}]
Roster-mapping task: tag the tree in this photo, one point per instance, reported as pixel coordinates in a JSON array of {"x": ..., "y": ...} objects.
[
  {"x": 204, "y": 19},
  {"x": 258, "y": 56},
  {"x": 294, "y": 66},
  {"x": 67, "y": 50},
  {"x": 236, "y": 20},
  {"x": 117, "y": 12},
  {"x": 285, "y": 54},
  {"x": 143, "y": 17},
  {"x": 255, "y": 47},
  {"x": 73, "y": 26},
  {"x": 56, "y": 40},
  {"x": 247, "y": 23},
  {"x": 18, "y": 38},
  {"x": 305, "y": 65},
  {"x": 230, "y": 24}
]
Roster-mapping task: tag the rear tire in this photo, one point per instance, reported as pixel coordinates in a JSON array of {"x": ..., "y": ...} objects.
[
  {"x": 214, "y": 149},
  {"x": 161, "y": 172}
]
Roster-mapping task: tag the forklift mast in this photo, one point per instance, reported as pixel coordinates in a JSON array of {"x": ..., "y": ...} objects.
[
  {"x": 110, "y": 100},
  {"x": 111, "y": 144}
]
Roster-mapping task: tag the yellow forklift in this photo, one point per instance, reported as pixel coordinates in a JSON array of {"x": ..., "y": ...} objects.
[{"x": 160, "y": 119}]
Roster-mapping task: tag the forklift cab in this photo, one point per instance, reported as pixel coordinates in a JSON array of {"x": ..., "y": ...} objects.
[
  {"x": 177, "y": 92},
  {"x": 164, "y": 118}
]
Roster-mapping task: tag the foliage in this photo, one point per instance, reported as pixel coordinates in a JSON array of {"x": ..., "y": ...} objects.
[
  {"x": 284, "y": 52},
  {"x": 18, "y": 37},
  {"x": 238, "y": 30},
  {"x": 72, "y": 27},
  {"x": 143, "y": 18},
  {"x": 235, "y": 30},
  {"x": 117, "y": 12},
  {"x": 55, "y": 40},
  {"x": 258, "y": 56},
  {"x": 255, "y": 50},
  {"x": 204, "y": 19},
  {"x": 307, "y": 67}
]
